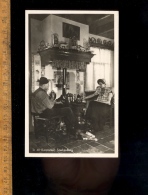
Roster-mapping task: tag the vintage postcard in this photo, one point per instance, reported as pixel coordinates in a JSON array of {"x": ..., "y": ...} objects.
[{"x": 71, "y": 83}]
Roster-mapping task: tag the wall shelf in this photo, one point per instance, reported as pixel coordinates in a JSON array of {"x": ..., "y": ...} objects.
[
  {"x": 51, "y": 54},
  {"x": 102, "y": 46}
]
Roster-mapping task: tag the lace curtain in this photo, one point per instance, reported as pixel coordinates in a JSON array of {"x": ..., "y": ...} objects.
[{"x": 101, "y": 67}]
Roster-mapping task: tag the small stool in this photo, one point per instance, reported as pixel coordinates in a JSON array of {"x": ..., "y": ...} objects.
[{"x": 45, "y": 126}]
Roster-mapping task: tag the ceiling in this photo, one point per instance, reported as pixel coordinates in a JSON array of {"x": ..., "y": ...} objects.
[{"x": 99, "y": 24}]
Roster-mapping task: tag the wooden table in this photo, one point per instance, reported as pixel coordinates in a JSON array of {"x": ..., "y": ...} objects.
[{"x": 77, "y": 108}]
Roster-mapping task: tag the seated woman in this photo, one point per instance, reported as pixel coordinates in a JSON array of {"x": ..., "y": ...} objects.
[
  {"x": 99, "y": 109},
  {"x": 98, "y": 91}
]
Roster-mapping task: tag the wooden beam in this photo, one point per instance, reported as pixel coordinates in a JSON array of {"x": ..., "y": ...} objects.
[
  {"x": 106, "y": 31},
  {"x": 100, "y": 29},
  {"x": 105, "y": 27},
  {"x": 104, "y": 20},
  {"x": 108, "y": 34}
]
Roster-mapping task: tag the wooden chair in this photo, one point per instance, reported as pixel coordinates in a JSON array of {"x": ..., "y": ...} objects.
[
  {"x": 110, "y": 117},
  {"x": 46, "y": 127}
]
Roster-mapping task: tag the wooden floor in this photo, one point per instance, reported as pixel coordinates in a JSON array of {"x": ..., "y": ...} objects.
[{"x": 104, "y": 144}]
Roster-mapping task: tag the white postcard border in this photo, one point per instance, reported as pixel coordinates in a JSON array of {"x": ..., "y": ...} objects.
[{"x": 116, "y": 80}]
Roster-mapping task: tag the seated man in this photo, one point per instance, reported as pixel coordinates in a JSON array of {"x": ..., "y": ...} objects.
[{"x": 45, "y": 106}]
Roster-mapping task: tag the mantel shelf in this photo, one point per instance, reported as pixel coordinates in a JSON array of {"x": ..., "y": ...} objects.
[{"x": 51, "y": 54}]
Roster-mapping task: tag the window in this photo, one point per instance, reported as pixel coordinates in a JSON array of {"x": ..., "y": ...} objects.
[{"x": 101, "y": 67}]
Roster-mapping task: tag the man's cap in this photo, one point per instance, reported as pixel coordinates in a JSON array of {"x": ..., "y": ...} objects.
[
  {"x": 43, "y": 80},
  {"x": 101, "y": 81}
]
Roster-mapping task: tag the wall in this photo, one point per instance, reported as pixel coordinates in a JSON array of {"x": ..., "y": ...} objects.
[
  {"x": 90, "y": 74},
  {"x": 36, "y": 35},
  {"x": 43, "y": 30},
  {"x": 49, "y": 73},
  {"x": 49, "y": 28},
  {"x": 112, "y": 70},
  {"x": 89, "y": 77}
]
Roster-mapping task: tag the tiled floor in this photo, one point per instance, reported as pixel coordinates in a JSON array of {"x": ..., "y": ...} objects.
[{"x": 104, "y": 144}]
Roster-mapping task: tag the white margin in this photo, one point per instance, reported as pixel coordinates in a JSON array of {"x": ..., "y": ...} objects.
[
  {"x": 26, "y": 83},
  {"x": 116, "y": 80}
]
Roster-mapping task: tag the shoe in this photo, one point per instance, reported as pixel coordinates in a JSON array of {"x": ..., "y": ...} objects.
[{"x": 90, "y": 134}]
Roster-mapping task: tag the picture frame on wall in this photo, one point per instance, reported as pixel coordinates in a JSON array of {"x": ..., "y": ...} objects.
[{"x": 70, "y": 31}]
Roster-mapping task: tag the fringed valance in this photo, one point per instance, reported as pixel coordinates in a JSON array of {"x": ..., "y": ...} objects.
[{"x": 68, "y": 64}]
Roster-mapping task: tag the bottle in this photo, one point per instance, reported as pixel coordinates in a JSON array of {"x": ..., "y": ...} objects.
[
  {"x": 75, "y": 97},
  {"x": 78, "y": 98},
  {"x": 74, "y": 42},
  {"x": 72, "y": 97},
  {"x": 61, "y": 125},
  {"x": 55, "y": 39},
  {"x": 53, "y": 95},
  {"x": 79, "y": 120},
  {"x": 68, "y": 97}
]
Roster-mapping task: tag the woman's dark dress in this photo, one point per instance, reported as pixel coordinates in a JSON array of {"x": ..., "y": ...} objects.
[{"x": 98, "y": 113}]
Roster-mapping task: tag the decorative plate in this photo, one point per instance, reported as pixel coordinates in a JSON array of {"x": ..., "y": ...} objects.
[
  {"x": 104, "y": 42},
  {"x": 109, "y": 43},
  {"x": 99, "y": 41},
  {"x": 93, "y": 40}
]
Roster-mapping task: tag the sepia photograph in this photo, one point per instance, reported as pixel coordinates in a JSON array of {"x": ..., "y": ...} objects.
[{"x": 71, "y": 83}]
